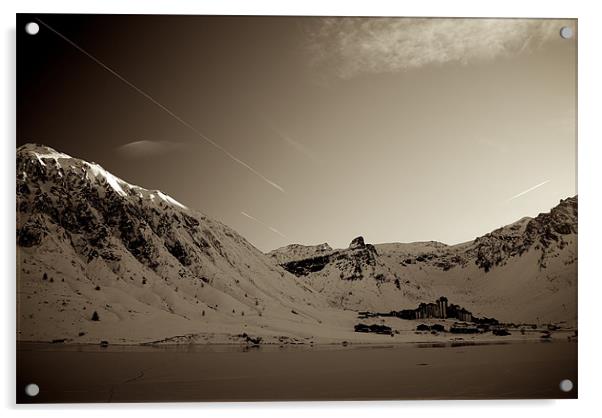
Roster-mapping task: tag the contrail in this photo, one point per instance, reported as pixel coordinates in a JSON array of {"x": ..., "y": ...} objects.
[
  {"x": 169, "y": 112},
  {"x": 296, "y": 145},
  {"x": 290, "y": 141},
  {"x": 271, "y": 228},
  {"x": 537, "y": 186}
]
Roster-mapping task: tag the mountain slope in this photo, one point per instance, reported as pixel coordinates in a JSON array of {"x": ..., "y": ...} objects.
[
  {"x": 149, "y": 267},
  {"x": 523, "y": 272}
]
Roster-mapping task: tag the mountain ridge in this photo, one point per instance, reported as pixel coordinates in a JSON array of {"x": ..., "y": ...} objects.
[
  {"x": 407, "y": 269},
  {"x": 100, "y": 258},
  {"x": 91, "y": 242}
]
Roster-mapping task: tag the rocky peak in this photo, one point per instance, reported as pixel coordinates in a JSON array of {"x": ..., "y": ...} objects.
[
  {"x": 37, "y": 148},
  {"x": 547, "y": 232},
  {"x": 357, "y": 243},
  {"x": 86, "y": 201}
]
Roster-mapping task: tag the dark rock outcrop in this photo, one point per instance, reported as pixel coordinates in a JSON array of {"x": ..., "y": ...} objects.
[
  {"x": 357, "y": 243},
  {"x": 306, "y": 266}
]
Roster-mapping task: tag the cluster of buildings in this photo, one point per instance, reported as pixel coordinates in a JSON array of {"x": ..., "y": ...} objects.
[{"x": 439, "y": 309}]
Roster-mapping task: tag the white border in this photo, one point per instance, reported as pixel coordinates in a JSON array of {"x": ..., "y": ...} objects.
[{"x": 590, "y": 35}]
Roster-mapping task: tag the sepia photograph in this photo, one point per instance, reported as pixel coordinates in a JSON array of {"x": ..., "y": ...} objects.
[{"x": 295, "y": 208}]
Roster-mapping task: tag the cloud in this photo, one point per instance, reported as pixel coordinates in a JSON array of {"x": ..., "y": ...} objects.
[
  {"x": 145, "y": 148},
  {"x": 353, "y": 46},
  {"x": 271, "y": 228},
  {"x": 530, "y": 189}
]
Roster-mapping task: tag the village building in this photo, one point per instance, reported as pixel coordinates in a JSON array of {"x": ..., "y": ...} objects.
[
  {"x": 442, "y": 304},
  {"x": 464, "y": 315}
]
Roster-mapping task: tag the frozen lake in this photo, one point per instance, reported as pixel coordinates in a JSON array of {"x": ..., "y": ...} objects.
[{"x": 68, "y": 373}]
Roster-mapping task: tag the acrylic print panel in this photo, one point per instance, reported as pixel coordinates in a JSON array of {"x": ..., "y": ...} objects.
[{"x": 221, "y": 208}]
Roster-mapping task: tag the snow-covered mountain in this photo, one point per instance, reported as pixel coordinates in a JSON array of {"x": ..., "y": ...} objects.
[
  {"x": 101, "y": 259},
  {"x": 91, "y": 246},
  {"x": 526, "y": 271}
]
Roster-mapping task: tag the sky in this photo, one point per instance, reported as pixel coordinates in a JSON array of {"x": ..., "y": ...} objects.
[{"x": 310, "y": 130}]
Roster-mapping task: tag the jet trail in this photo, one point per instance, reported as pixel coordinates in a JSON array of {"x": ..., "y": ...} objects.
[
  {"x": 162, "y": 107},
  {"x": 271, "y": 228},
  {"x": 537, "y": 186},
  {"x": 299, "y": 147}
]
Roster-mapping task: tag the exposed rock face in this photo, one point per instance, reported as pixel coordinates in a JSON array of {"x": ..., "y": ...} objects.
[
  {"x": 351, "y": 262},
  {"x": 359, "y": 258},
  {"x": 306, "y": 266},
  {"x": 546, "y": 233},
  {"x": 357, "y": 243}
]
